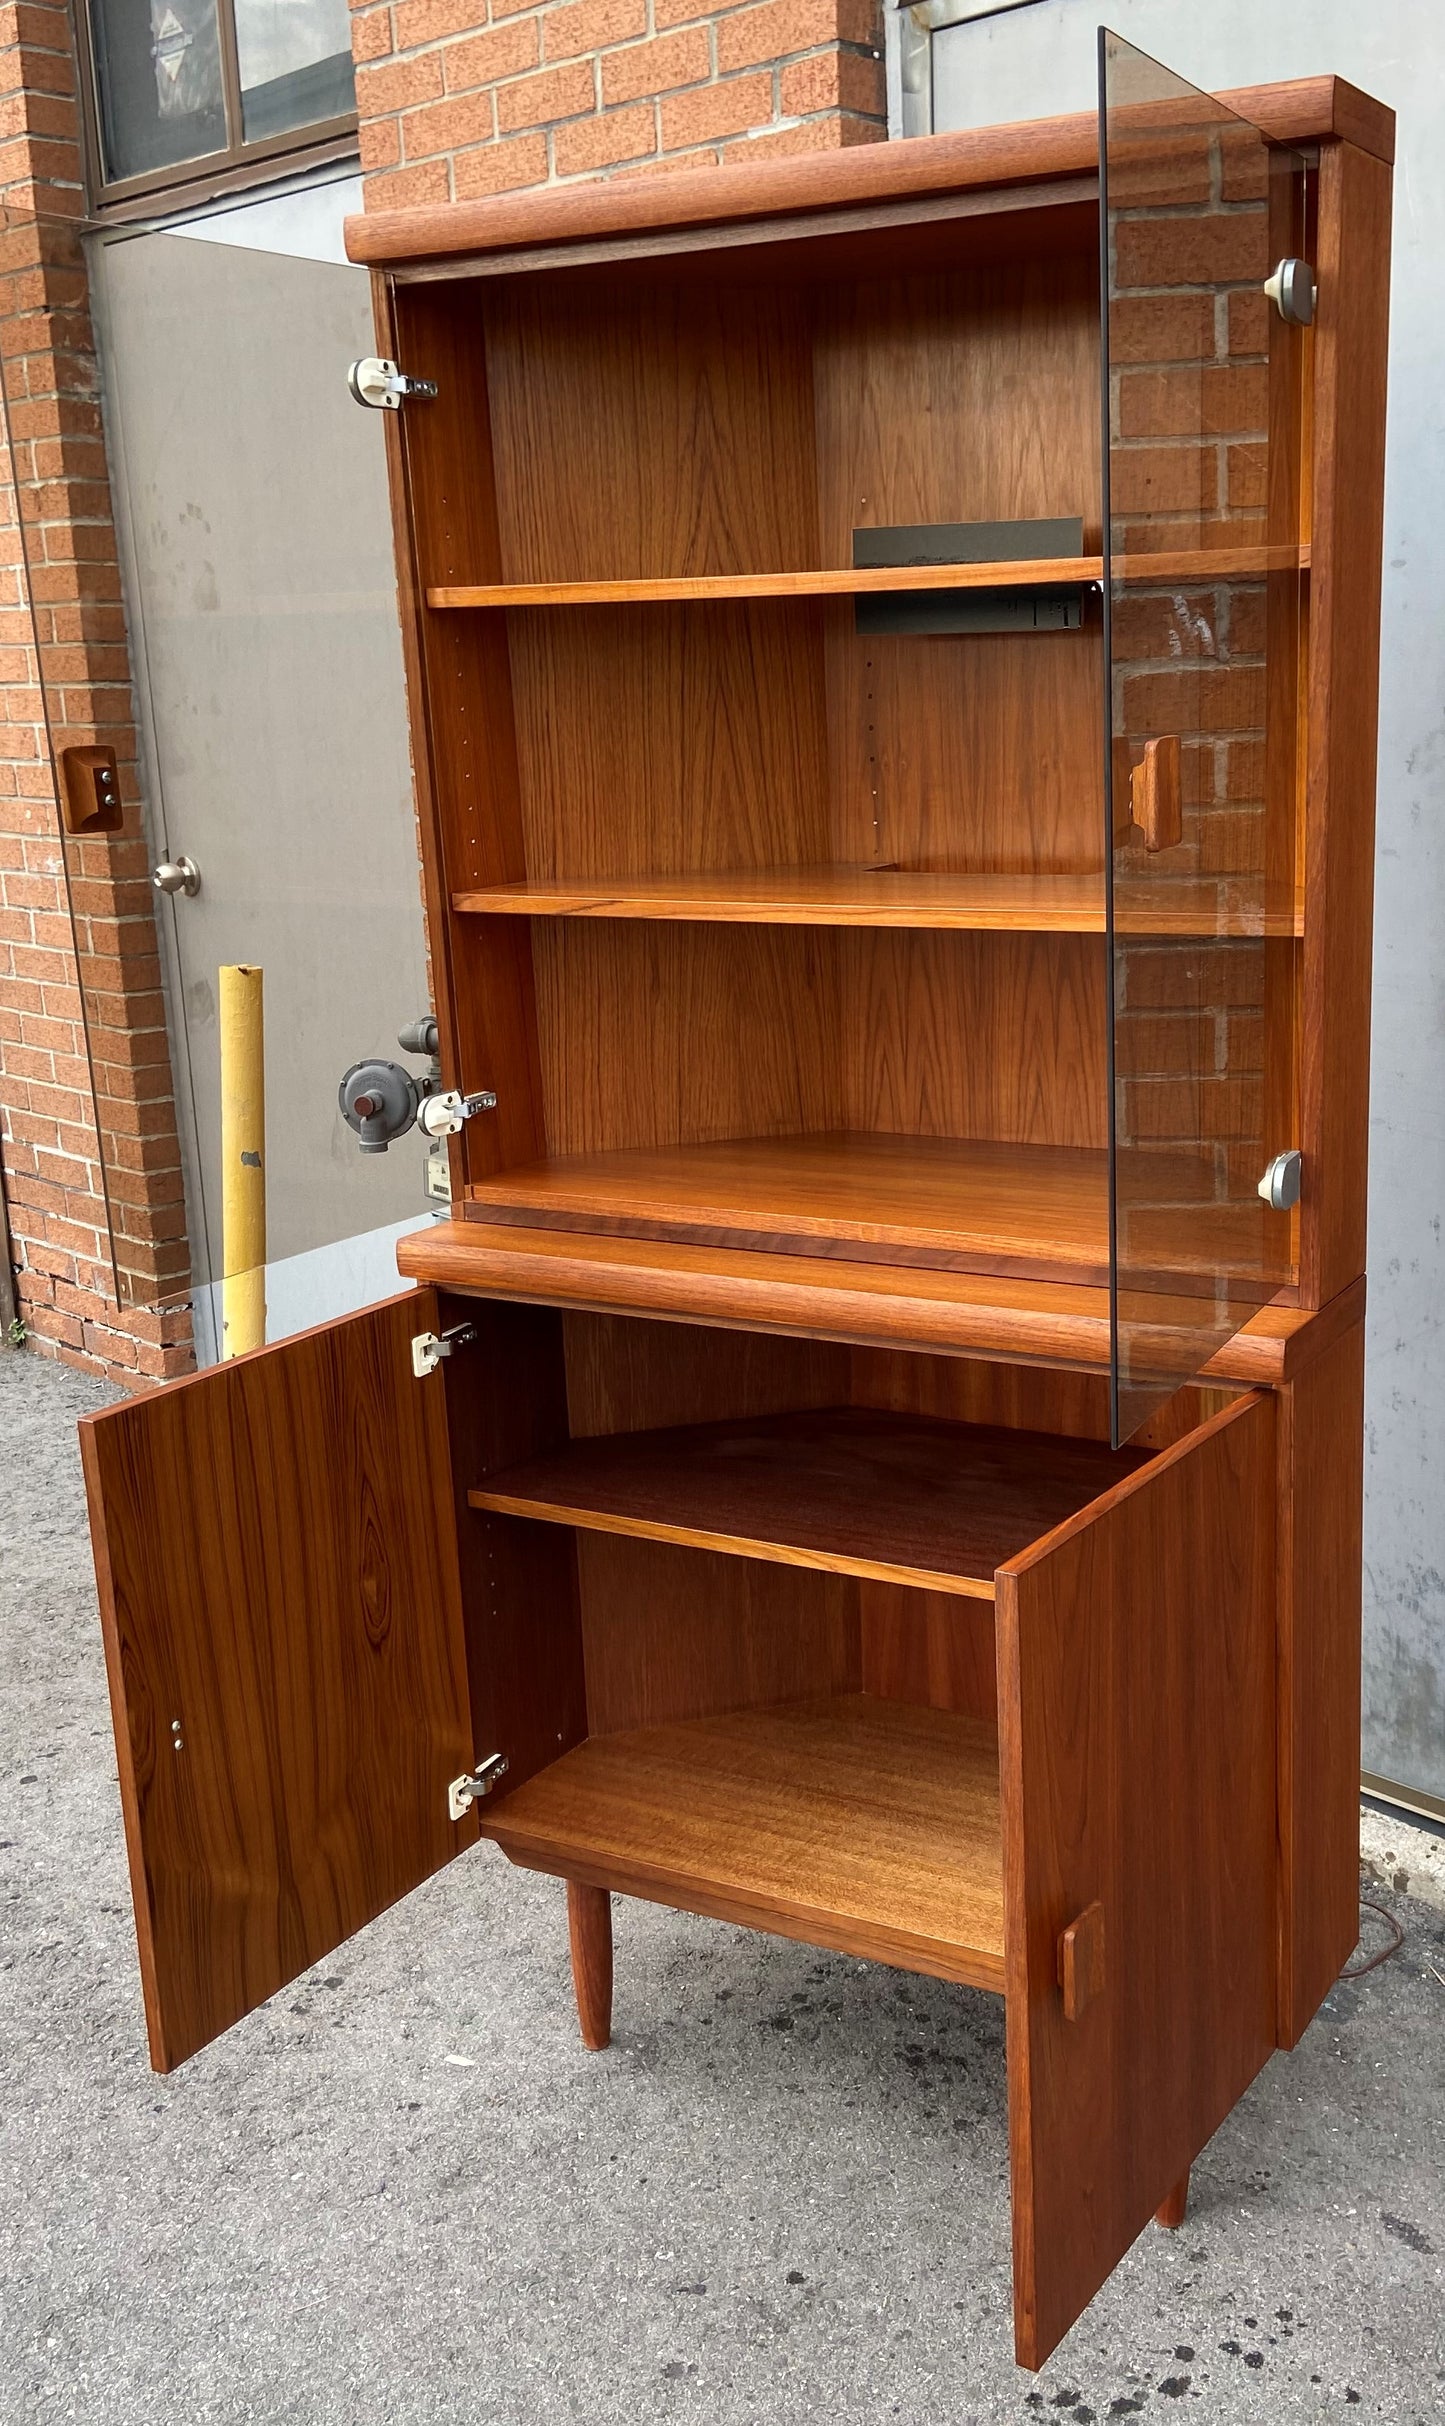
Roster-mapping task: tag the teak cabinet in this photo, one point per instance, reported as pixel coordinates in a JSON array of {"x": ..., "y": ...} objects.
[{"x": 892, "y": 649}]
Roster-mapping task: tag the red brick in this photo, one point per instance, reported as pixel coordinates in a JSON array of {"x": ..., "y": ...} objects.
[
  {"x": 832, "y": 79},
  {"x": 398, "y": 84},
  {"x": 755, "y": 37},
  {"x": 738, "y": 105},
  {"x": 370, "y": 34},
  {"x": 499, "y": 168},
  {"x": 445, "y": 126},
  {"x": 568, "y": 31},
  {"x": 502, "y": 50},
  {"x": 380, "y": 142},
  {"x": 659, "y": 66},
  {"x": 398, "y": 189},
  {"x": 675, "y": 165},
  {"x": 552, "y": 94},
  {"x": 594, "y": 143}
]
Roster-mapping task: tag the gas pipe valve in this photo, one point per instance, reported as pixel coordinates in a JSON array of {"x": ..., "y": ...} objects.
[{"x": 380, "y": 1100}]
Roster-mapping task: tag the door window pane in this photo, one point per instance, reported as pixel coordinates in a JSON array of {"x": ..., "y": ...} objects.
[
  {"x": 295, "y": 64},
  {"x": 158, "y": 69}
]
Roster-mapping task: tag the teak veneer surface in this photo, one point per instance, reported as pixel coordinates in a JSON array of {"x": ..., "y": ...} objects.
[
  {"x": 1304, "y": 111},
  {"x": 867, "y": 1826},
  {"x": 1005, "y": 573},
  {"x": 1010, "y": 573},
  {"x": 898, "y": 897},
  {"x": 871, "y": 1305},
  {"x": 1003, "y": 1207},
  {"x": 853, "y": 1490}
]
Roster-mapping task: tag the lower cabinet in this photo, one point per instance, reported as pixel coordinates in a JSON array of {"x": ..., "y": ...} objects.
[{"x": 841, "y": 1644}]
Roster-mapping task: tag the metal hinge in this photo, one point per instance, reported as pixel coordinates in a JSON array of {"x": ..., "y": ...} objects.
[
  {"x": 427, "y": 1349},
  {"x": 1280, "y": 1186},
  {"x": 475, "y": 1784},
  {"x": 376, "y": 382},
  {"x": 1292, "y": 290}
]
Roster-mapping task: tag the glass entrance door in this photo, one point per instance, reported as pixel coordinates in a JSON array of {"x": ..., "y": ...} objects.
[{"x": 1205, "y": 544}]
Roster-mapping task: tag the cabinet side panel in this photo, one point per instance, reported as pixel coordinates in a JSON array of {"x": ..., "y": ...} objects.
[
  {"x": 464, "y": 752},
  {"x": 507, "y": 1400},
  {"x": 1321, "y": 1488},
  {"x": 1349, "y": 471},
  {"x": 278, "y": 1591},
  {"x": 1136, "y": 1654}
]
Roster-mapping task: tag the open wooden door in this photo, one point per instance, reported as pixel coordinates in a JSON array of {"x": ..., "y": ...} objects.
[
  {"x": 276, "y": 1554},
  {"x": 1136, "y": 1660}
]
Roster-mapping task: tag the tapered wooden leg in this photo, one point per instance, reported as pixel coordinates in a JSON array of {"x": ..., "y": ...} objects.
[
  {"x": 1171, "y": 2214},
  {"x": 589, "y": 1927}
]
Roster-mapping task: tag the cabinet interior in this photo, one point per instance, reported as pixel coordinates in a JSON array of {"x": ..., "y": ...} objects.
[
  {"x": 730, "y": 1612},
  {"x": 765, "y": 927}
]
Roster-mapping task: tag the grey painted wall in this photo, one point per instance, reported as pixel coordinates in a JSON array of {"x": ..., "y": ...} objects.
[{"x": 1039, "y": 59}]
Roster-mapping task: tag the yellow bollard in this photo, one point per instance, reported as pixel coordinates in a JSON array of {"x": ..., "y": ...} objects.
[{"x": 243, "y": 1162}]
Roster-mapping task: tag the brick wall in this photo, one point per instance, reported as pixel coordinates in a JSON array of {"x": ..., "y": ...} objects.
[
  {"x": 466, "y": 97},
  {"x": 65, "y": 676}
]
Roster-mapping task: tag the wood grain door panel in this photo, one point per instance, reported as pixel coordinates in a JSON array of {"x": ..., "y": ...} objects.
[
  {"x": 1136, "y": 1660},
  {"x": 276, "y": 1558}
]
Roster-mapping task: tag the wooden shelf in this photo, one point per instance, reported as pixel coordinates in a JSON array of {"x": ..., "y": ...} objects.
[
  {"x": 845, "y": 581},
  {"x": 868, "y": 1826},
  {"x": 896, "y": 897},
  {"x": 1001, "y": 1208},
  {"x": 856, "y": 1491},
  {"x": 1012, "y": 573}
]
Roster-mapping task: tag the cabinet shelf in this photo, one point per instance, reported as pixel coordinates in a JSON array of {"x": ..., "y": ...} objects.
[
  {"x": 868, "y": 1826},
  {"x": 1009, "y": 573},
  {"x": 855, "y": 1491},
  {"x": 898, "y": 897},
  {"x": 855, "y": 581},
  {"x": 977, "y": 1205}
]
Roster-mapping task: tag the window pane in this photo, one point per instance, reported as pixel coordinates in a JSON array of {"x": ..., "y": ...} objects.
[
  {"x": 295, "y": 64},
  {"x": 158, "y": 70}
]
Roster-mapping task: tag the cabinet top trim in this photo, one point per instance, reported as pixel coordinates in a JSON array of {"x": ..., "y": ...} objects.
[{"x": 1310, "y": 110}]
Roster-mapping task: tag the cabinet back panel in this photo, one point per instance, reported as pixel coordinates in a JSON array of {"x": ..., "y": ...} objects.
[
  {"x": 661, "y": 431},
  {"x": 677, "y": 1035},
  {"x": 625, "y": 1375},
  {"x": 968, "y": 397},
  {"x": 974, "y": 1035},
  {"x": 667, "y": 740},
  {"x": 655, "y": 1034},
  {"x": 671, "y": 1633},
  {"x": 1020, "y": 1398},
  {"x": 928, "y": 1647},
  {"x": 983, "y": 752}
]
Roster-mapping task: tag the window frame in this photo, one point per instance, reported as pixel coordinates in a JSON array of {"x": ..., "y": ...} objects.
[{"x": 228, "y": 169}]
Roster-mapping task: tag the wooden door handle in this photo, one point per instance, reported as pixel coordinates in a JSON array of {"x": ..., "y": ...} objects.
[
  {"x": 1081, "y": 1961},
  {"x": 1156, "y": 794}
]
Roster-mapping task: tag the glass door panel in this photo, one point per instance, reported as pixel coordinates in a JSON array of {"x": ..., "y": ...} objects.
[{"x": 1205, "y": 570}]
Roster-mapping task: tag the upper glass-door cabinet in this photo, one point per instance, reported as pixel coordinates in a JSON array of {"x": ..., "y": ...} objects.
[{"x": 1205, "y": 528}]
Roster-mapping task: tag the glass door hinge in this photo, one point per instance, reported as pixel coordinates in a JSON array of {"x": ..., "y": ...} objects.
[
  {"x": 1280, "y": 1186},
  {"x": 376, "y": 382},
  {"x": 475, "y": 1784},
  {"x": 427, "y": 1349}
]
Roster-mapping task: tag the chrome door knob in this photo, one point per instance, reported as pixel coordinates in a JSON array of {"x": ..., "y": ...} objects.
[{"x": 177, "y": 876}]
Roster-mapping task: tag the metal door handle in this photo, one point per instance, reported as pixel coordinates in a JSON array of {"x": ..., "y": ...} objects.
[{"x": 177, "y": 876}]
